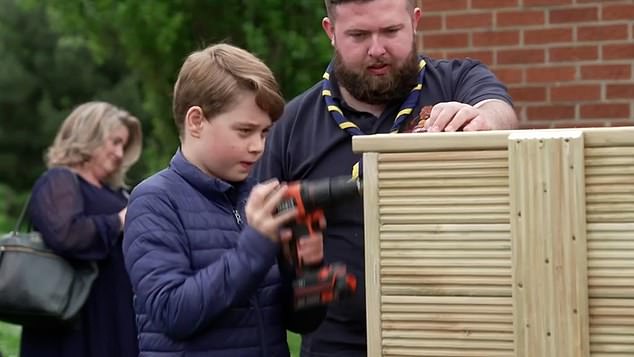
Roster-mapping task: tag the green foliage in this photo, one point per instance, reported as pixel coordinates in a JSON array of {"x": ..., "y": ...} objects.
[
  {"x": 43, "y": 75},
  {"x": 57, "y": 54},
  {"x": 11, "y": 204},
  {"x": 153, "y": 38}
]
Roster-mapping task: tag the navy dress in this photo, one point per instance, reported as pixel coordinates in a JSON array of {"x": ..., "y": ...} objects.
[{"x": 80, "y": 221}]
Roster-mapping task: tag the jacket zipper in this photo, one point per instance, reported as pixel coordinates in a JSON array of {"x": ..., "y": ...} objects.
[
  {"x": 256, "y": 305},
  {"x": 236, "y": 213},
  {"x": 238, "y": 218}
]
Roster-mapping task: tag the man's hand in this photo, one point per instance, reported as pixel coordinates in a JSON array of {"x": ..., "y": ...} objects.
[{"x": 487, "y": 115}]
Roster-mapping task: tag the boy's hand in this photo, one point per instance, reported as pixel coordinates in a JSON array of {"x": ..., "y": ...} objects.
[
  {"x": 311, "y": 248},
  {"x": 261, "y": 207}
]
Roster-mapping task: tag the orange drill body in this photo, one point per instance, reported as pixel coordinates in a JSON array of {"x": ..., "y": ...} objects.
[{"x": 317, "y": 285}]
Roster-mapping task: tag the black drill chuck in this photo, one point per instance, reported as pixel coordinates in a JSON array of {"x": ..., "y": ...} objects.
[{"x": 325, "y": 192}]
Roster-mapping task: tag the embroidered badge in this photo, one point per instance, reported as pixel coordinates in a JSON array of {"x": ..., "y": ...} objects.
[{"x": 418, "y": 125}]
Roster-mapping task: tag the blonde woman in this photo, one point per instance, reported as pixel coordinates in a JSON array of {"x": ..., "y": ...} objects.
[{"x": 79, "y": 206}]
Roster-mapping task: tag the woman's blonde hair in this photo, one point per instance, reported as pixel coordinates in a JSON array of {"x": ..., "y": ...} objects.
[{"x": 87, "y": 129}]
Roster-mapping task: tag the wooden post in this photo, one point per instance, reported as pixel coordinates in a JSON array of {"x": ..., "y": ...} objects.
[
  {"x": 372, "y": 253},
  {"x": 550, "y": 279}
]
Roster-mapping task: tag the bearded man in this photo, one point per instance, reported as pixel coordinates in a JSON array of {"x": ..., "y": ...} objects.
[{"x": 375, "y": 83}]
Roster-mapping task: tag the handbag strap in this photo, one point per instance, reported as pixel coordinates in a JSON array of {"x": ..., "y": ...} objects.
[{"x": 25, "y": 208}]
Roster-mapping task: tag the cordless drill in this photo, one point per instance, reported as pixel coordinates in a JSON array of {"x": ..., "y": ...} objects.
[{"x": 322, "y": 284}]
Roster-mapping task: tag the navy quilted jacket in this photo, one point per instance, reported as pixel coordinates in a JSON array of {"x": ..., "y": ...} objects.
[{"x": 205, "y": 283}]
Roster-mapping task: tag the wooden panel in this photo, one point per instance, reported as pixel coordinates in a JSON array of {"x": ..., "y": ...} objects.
[
  {"x": 444, "y": 278},
  {"x": 610, "y": 198},
  {"x": 549, "y": 244},
  {"x": 459, "y": 238},
  {"x": 447, "y": 326},
  {"x": 612, "y": 327},
  {"x": 372, "y": 246}
]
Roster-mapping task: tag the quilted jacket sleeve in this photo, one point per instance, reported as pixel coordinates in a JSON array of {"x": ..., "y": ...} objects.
[{"x": 179, "y": 300}]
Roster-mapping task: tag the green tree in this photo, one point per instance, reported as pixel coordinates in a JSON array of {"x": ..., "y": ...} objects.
[
  {"x": 43, "y": 75},
  {"x": 153, "y": 38}
]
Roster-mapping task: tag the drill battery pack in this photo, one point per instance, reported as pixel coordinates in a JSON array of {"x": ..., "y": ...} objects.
[{"x": 323, "y": 286}]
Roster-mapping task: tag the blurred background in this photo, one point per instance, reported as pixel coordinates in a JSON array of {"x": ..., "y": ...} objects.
[
  {"x": 59, "y": 53},
  {"x": 567, "y": 63}
]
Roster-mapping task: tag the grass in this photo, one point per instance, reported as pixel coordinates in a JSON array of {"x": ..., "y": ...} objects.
[
  {"x": 10, "y": 341},
  {"x": 294, "y": 342}
]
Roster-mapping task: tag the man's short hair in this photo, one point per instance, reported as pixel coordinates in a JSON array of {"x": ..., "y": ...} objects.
[
  {"x": 331, "y": 4},
  {"x": 215, "y": 78}
]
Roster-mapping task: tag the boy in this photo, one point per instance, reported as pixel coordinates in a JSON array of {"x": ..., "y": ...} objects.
[{"x": 200, "y": 255}]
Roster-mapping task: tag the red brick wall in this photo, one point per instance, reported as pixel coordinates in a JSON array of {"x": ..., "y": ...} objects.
[{"x": 567, "y": 63}]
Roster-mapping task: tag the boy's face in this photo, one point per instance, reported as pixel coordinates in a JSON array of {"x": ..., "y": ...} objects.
[{"x": 228, "y": 145}]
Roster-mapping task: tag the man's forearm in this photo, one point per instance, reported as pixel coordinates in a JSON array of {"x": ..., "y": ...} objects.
[{"x": 500, "y": 115}]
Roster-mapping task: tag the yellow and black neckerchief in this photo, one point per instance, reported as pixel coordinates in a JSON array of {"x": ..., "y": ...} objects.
[{"x": 401, "y": 117}]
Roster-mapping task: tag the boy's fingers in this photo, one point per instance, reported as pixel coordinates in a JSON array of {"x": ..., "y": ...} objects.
[
  {"x": 263, "y": 190},
  {"x": 285, "y": 235},
  {"x": 274, "y": 198},
  {"x": 284, "y": 217}
]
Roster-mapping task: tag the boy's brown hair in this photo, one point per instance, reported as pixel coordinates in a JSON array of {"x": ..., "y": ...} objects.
[{"x": 215, "y": 77}]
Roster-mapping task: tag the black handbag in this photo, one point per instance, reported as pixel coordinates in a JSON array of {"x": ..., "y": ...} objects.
[{"x": 38, "y": 287}]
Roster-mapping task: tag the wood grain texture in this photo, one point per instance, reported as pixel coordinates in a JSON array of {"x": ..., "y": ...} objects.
[{"x": 447, "y": 251}]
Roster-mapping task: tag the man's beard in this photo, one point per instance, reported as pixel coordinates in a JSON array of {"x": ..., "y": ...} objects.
[{"x": 370, "y": 89}]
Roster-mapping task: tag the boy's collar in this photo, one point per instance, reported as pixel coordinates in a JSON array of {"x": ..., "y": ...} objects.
[{"x": 200, "y": 180}]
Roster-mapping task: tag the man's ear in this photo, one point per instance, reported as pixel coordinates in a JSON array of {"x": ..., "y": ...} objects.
[
  {"x": 418, "y": 13},
  {"x": 329, "y": 29},
  {"x": 194, "y": 120}
]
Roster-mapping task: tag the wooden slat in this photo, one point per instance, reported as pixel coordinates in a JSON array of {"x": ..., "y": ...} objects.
[
  {"x": 465, "y": 246},
  {"x": 460, "y": 157},
  {"x": 473, "y": 173},
  {"x": 611, "y": 326},
  {"x": 493, "y": 183},
  {"x": 501, "y": 200},
  {"x": 438, "y": 228},
  {"x": 479, "y": 192},
  {"x": 450, "y": 352},
  {"x": 489, "y": 140},
  {"x": 446, "y": 290},
  {"x": 490, "y": 218},
  {"x": 549, "y": 242},
  {"x": 461, "y": 326},
  {"x": 372, "y": 251}
]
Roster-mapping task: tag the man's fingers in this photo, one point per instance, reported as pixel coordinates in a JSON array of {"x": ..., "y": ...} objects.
[
  {"x": 478, "y": 124},
  {"x": 461, "y": 118},
  {"x": 437, "y": 118},
  {"x": 453, "y": 116}
]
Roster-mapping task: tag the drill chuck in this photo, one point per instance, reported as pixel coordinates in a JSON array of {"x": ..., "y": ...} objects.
[{"x": 326, "y": 192}]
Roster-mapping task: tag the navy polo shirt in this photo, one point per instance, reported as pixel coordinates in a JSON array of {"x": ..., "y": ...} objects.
[{"x": 306, "y": 143}]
